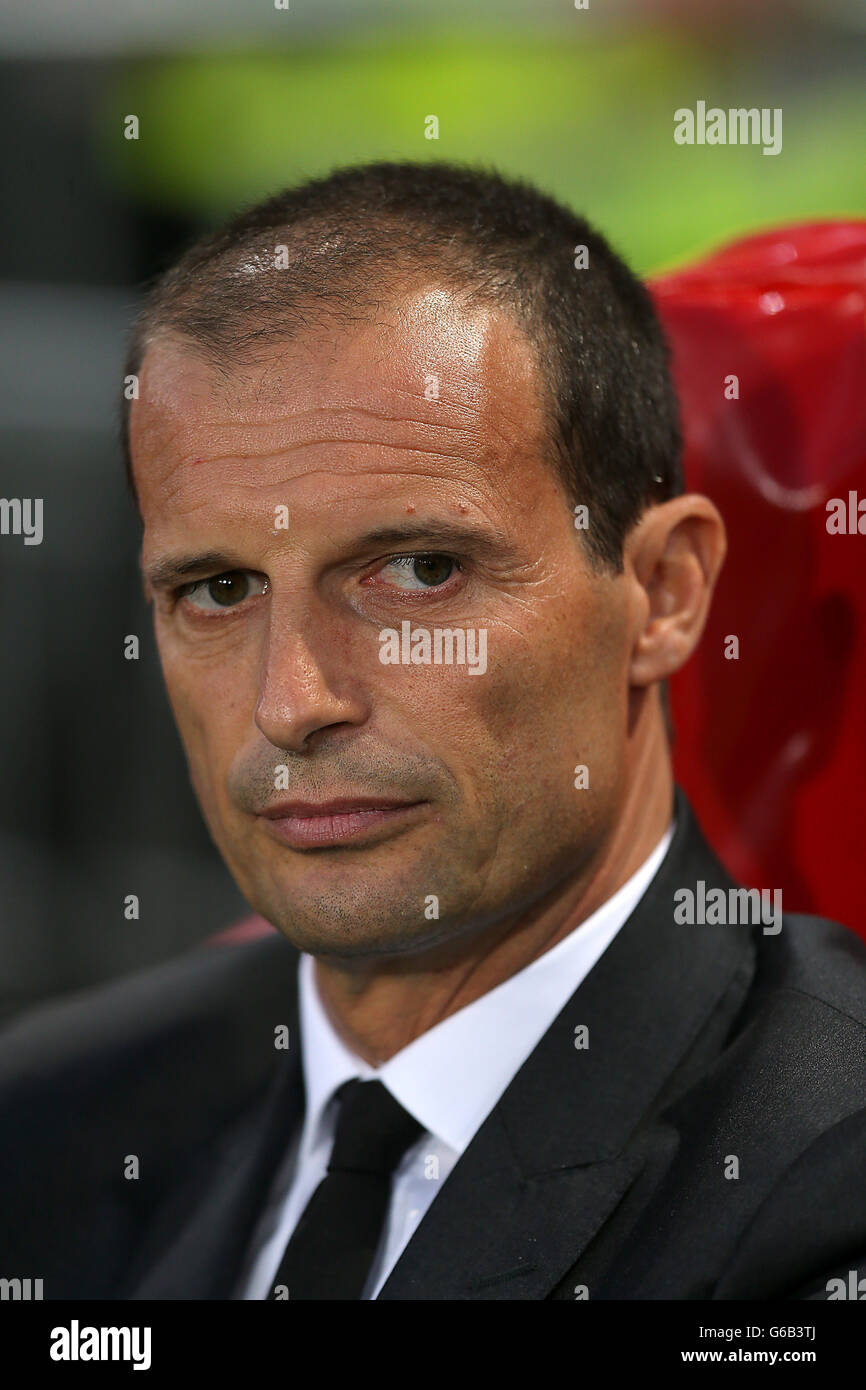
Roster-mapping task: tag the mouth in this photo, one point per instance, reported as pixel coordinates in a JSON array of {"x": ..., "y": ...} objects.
[{"x": 310, "y": 825}]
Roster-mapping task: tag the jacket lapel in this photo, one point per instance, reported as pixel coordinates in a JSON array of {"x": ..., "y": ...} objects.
[{"x": 576, "y": 1130}]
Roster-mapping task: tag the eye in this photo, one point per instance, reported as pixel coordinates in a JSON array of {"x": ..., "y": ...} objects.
[
  {"x": 222, "y": 591},
  {"x": 418, "y": 572}
]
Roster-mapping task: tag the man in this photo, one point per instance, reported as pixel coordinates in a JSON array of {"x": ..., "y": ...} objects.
[{"x": 406, "y": 452}]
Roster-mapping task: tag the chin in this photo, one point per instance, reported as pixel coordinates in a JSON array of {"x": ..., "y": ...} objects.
[{"x": 356, "y": 940}]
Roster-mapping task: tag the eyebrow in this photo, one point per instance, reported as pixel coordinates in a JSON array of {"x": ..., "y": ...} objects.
[
  {"x": 169, "y": 571},
  {"x": 453, "y": 534}
]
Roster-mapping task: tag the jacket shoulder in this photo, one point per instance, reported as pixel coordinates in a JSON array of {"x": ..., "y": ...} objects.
[
  {"x": 819, "y": 960},
  {"x": 157, "y": 1067},
  {"x": 804, "y": 1079},
  {"x": 206, "y": 1000}
]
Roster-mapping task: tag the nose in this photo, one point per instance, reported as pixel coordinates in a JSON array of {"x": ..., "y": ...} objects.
[{"x": 306, "y": 682}]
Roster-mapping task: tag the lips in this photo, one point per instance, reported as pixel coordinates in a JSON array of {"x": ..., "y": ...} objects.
[
  {"x": 316, "y": 825},
  {"x": 303, "y": 809}
]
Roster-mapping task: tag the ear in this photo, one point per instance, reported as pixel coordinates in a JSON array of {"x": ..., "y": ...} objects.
[{"x": 672, "y": 557}]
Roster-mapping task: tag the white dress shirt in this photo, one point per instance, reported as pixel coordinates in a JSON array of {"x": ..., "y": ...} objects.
[{"x": 449, "y": 1079}]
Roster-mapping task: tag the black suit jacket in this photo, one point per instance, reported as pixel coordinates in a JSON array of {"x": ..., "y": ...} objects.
[{"x": 603, "y": 1172}]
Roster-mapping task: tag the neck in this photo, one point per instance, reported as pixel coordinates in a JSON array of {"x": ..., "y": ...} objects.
[{"x": 380, "y": 1011}]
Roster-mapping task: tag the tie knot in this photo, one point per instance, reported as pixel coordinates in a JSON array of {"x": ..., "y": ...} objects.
[{"x": 373, "y": 1130}]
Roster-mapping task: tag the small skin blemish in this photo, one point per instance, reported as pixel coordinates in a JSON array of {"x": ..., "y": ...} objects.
[{"x": 411, "y": 507}]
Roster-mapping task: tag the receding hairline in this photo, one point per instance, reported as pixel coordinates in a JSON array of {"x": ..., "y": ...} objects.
[
  {"x": 230, "y": 359},
  {"x": 353, "y": 300}
]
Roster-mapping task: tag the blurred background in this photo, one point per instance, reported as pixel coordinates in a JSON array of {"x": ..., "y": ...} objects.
[{"x": 236, "y": 99}]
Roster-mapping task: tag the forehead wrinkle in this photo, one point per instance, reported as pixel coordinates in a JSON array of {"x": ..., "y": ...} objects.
[
  {"x": 376, "y": 466},
  {"x": 484, "y": 464},
  {"x": 171, "y": 489},
  {"x": 469, "y": 493},
  {"x": 473, "y": 456},
  {"x": 477, "y": 454},
  {"x": 253, "y": 485},
  {"x": 177, "y": 477},
  {"x": 433, "y": 420},
  {"x": 237, "y": 439},
  {"x": 467, "y": 488}
]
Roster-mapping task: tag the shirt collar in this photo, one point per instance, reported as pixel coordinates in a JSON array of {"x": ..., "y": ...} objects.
[{"x": 451, "y": 1077}]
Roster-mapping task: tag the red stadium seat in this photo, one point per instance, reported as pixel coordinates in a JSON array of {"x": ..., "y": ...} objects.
[{"x": 771, "y": 747}]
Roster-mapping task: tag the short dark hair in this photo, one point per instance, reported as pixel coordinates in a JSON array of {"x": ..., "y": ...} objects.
[{"x": 345, "y": 241}]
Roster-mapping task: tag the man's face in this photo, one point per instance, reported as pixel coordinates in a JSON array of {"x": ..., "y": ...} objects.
[{"x": 426, "y": 424}]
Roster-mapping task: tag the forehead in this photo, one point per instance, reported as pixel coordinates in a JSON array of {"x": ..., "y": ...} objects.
[{"x": 427, "y": 388}]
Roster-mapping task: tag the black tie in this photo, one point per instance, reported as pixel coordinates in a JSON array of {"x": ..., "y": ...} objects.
[{"x": 333, "y": 1246}]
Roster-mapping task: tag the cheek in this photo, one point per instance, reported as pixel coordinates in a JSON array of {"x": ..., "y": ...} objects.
[
  {"x": 212, "y": 703},
  {"x": 556, "y": 699},
  {"x": 507, "y": 735}
]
